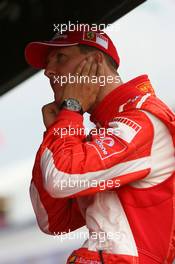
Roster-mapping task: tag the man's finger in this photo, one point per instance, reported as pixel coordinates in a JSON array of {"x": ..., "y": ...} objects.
[
  {"x": 51, "y": 107},
  {"x": 80, "y": 67},
  {"x": 49, "y": 113},
  {"x": 93, "y": 70},
  {"x": 87, "y": 67},
  {"x": 100, "y": 69}
]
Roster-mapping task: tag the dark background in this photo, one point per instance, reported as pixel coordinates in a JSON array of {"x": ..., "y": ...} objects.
[{"x": 22, "y": 21}]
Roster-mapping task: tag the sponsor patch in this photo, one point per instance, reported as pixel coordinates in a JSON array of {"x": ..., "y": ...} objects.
[
  {"x": 102, "y": 40},
  {"x": 82, "y": 260},
  {"x": 107, "y": 147},
  {"x": 146, "y": 87},
  {"x": 108, "y": 141}
]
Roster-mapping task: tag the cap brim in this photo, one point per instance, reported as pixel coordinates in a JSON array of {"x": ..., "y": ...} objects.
[{"x": 36, "y": 52}]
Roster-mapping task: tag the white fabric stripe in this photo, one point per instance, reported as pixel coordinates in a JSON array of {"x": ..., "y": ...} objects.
[
  {"x": 62, "y": 184},
  {"x": 40, "y": 212},
  {"x": 112, "y": 222},
  {"x": 142, "y": 100},
  {"x": 162, "y": 155},
  {"x": 121, "y": 107}
]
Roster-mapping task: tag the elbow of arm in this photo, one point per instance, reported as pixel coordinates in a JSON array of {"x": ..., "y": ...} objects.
[
  {"x": 39, "y": 210},
  {"x": 44, "y": 228}
]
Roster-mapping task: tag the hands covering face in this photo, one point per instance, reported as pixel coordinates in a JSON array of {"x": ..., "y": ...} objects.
[{"x": 83, "y": 89}]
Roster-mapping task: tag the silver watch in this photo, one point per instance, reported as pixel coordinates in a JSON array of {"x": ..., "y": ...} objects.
[{"x": 72, "y": 105}]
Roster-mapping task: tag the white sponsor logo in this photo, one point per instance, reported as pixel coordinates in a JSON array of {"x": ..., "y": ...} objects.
[
  {"x": 59, "y": 36},
  {"x": 126, "y": 129},
  {"x": 102, "y": 41},
  {"x": 100, "y": 144},
  {"x": 108, "y": 141}
]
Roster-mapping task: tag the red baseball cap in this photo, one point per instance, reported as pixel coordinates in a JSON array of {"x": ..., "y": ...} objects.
[{"x": 36, "y": 52}]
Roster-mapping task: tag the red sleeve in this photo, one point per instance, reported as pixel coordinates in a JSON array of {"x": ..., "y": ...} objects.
[
  {"x": 55, "y": 215},
  {"x": 71, "y": 167}
]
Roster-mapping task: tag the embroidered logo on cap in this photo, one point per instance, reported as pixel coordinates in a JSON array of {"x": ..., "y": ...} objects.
[
  {"x": 96, "y": 38},
  {"x": 91, "y": 35},
  {"x": 102, "y": 40},
  {"x": 59, "y": 36}
]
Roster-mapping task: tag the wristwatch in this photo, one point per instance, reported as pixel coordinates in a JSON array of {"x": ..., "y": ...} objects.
[{"x": 72, "y": 105}]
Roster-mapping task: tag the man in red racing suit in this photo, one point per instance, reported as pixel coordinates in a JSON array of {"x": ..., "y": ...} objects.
[{"x": 121, "y": 183}]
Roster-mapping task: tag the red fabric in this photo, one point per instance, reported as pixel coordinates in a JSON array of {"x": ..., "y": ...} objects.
[
  {"x": 150, "y": 211},
  {"x": 91, "y": 157}
]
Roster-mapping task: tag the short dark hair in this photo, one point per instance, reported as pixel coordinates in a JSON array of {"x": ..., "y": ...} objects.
[{"x": 110, "y": 61}]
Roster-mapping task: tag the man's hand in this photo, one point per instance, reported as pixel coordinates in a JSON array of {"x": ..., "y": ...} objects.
[
  {"x": 50, "y": 112},
  {"x": 85, "y": 92}
]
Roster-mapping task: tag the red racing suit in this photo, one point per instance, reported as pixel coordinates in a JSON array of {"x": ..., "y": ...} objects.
[{"x": 120, "y": 183}]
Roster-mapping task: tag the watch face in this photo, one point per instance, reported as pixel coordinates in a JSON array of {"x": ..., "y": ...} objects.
[{"x": 73, "y": 105}]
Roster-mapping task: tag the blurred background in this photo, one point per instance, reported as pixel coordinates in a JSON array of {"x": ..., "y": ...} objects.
[{"x": 145, "y": 39}]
